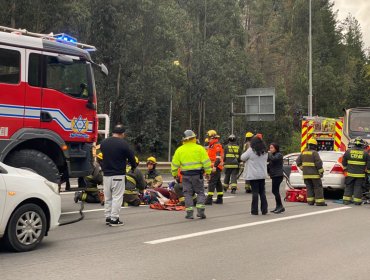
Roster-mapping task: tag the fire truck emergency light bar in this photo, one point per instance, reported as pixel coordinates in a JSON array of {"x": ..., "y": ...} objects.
[{"x": 61, "y": 38}]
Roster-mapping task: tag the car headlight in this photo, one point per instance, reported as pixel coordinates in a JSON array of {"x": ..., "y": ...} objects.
[{"x": 54, "y": 187}]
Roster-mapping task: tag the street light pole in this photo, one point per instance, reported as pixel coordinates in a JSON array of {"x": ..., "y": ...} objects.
[
  {"x": 310, "y": 61},
  {"x": 170, "y": 130}
]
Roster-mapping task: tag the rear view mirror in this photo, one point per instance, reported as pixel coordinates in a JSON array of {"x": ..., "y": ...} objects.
[{"x": 104, "y": 69}]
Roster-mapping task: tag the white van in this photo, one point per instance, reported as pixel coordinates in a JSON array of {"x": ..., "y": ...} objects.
[{"x": 30, "y": 206}]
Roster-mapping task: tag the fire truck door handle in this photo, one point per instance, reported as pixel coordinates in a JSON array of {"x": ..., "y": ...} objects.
[{"x": 45, "y": 116}]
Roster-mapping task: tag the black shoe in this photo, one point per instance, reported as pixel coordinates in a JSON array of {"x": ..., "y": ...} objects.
[
  {"x": 253, "y": 213},
  {"x": 107, "y": 221},
  {"x": 273, "y": 211},
  {"x": 233, "y": 191},
  {"x": 189, "y": 214},
  {"x": 219, "y": 200},
  {"x": 248, "y": 191},
  {"x": 264, "y": 213},
  {"x": 115, "y": 223},
  {"x": 280, "y": 210}
]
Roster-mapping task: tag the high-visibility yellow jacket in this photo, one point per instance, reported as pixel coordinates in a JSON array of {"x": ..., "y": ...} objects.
[
  {"x": 192, "y": 159},
  {"x": 355, "y": 161},
  {"x": 310, "y": 163}
]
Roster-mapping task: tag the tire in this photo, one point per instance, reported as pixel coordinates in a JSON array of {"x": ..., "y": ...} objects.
[
  {"x": 26, "y": 228},
  {"x": 36, "y": 161}
]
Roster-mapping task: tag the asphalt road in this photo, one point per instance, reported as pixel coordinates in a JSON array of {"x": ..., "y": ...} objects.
[{"x": 306, "y": 242}]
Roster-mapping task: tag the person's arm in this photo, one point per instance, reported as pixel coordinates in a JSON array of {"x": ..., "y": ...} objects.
[
  {"x": 158, "y": 181},
  {"x": 299, "y": 161},
  {"x": 175, "y": 164},
  {"x": 218, "y": 155},
  {"x": 274, "y": 157},
  {"x": 318, "y": 162},
  {"x": 140, "y": 181},
  {"x": 131, "y": 159},
  {"x": 246, "y": 155}
]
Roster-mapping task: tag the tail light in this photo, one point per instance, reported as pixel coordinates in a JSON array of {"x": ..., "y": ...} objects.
[
  {"x": 294, "y": 169},
  {"x": 337, "y": 169}
]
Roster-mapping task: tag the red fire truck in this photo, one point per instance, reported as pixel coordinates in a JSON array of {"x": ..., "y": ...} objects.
[{"x": 48, "y": 117}]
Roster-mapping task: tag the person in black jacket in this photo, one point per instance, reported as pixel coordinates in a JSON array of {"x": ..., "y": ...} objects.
[
  {"x": 115, "y": 152},
  {"x": 275, "y": 170}
]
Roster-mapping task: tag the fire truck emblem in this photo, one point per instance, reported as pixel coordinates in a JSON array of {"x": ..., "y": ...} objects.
[{"x": 79, "y": 125}]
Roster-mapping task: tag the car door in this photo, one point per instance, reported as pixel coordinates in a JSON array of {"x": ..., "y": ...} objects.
[{"x": 12, "y": 90}]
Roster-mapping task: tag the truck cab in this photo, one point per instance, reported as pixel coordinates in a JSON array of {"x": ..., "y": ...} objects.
[
  {"x": 48, "y": 117},
  {"x": 356, "y": 123}
]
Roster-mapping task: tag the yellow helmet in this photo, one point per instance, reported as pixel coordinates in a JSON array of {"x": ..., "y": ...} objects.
[
  {"x": 100, "y": 156},
  {"x": 312, "y": 141},
  {"x": 211, "y": 133},
  {"x": 249, "y": 134},
  {"x": 152, "y": 160},
  {"x": 206, "y": 140},
  {"x": 137, "y": 160}
]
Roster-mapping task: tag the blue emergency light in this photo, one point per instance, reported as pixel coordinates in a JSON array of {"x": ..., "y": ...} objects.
[{"x": 65, "y": 38}]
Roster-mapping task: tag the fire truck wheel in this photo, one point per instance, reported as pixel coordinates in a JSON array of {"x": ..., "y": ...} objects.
[{"x": 36, "y": 161}]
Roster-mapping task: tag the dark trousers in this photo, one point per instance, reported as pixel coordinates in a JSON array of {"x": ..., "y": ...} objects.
[
  {"x": 258, "y": 189},
  {"x": 231, "y": 177},
  {"x": 215, "y": 183},
  {"x": 193, "y": 184},
  {"x": 353, "y": 188},
  {"x": 315, "y": 192},
  {"x": 276, "y": 181}
]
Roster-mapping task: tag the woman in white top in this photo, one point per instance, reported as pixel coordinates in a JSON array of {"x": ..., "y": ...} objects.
[{"x": 256, "y": 157}]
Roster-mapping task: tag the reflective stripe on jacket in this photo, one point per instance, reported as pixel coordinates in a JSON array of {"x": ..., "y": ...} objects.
[
  {"x": 355, "y": 161},
  {"x": 232, "y": 156},
  {"x": 190, "y": 156},
  {"x": 310, "y": 163}
]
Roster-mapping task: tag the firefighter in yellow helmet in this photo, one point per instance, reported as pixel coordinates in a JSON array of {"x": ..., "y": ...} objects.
[
  {"x": 135, "y": 184},
  {"x": 355, "y": 162},
  {"x": 247, "y": 143},
  {"x": 193, "y": 160},
  {"x": 216, "y": 155},
  {"x": 152, "y": 177},
  {"x": 231, "y": 164},
  {"x": 310, "y": 163}
]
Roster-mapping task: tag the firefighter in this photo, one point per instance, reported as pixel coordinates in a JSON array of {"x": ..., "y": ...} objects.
[
  {"x": 231, "y": 164},
  {"x": 355, "y": 161},
  {"x": 91, "y": 192},
  {"x": 193, "y": 160},
  {"x": 152, "y": 177},
  {"x": 247, "y": 143},
  {"x": 216, "y": 155},
  {"x": 135, "y": 184},
  {"x": 310, "y": 163}
]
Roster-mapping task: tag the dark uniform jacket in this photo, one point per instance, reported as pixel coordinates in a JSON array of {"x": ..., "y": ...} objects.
[
  {"x": 310, "y": 162},
  {"x": 232, "y": 155},
  {"x": 134, "y": 181},
  {"x": 153, "y": 179},
  {"x": 355, "y": 161},
  {"x": 275, "y": 164},
  {"x": 96, "y": 178}
]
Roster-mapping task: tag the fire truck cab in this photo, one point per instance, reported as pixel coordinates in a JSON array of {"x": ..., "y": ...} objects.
[{"x": 48, "y": 117}]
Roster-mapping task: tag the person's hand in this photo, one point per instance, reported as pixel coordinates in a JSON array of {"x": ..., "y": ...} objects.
[
  {"x": 214, "y": 169},
  {"x": 207, "y": 177}
]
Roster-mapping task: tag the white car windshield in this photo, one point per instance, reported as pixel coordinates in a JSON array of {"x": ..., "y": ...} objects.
[{"x": 330, "y": 156}]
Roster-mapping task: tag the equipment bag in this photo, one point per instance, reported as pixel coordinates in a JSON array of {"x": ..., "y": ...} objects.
[{"x": 296, "y": 195}]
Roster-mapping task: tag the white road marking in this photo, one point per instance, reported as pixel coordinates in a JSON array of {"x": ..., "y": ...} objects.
[{"x": 185, "y": 236}]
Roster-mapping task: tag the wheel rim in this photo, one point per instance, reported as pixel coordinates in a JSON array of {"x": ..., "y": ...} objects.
[{"x": 29, "y": 227}]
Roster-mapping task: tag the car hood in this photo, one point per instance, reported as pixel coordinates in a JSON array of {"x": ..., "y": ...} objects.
[{"x": 21, "y": 172}]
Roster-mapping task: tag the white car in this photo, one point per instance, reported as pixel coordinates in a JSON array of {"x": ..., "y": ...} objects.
[
  {"x": 30, "y": 206},
  {"x": 333, "y": 172}
]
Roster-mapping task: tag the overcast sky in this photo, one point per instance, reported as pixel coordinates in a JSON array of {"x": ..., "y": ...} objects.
[{"x": 360, "y": 9}]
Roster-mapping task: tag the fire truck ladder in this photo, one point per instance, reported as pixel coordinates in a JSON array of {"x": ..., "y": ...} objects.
[{"x": 50, "y": 36}]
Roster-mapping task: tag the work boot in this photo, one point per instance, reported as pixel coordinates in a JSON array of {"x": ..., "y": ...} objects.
[
  {"x": 200, "y": 213},
  {"x": 357, "y": 203},
  {"x": 189, "y": 214},
  {"x": 226, "y": 187},
  {"x": 346, "y": 202},
  {"x": 321, "y": 204},
  {"x": 248, "y": 188},
  {"x": 77, "y": 197},
  {"x": 219, "y": 200},
  {"x": 208, "y": 200},
  {"x": 233, "y": 191}
]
